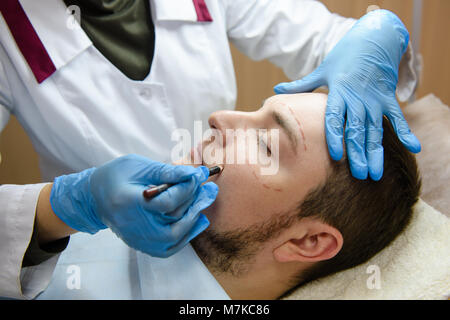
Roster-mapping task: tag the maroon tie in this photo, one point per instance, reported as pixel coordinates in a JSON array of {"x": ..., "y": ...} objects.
[
  {"x": 202, "y": 11},
  {"x": 27, "y": 39}
]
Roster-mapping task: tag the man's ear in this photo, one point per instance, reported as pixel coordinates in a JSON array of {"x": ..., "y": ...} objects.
[{"x": 317, "y": 241}]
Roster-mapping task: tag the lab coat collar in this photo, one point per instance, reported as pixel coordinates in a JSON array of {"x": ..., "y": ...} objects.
[
  {"x": 181, "y": 10},
  {"x": 54, "y": 24},
  {"x": 64, "y": 39}
]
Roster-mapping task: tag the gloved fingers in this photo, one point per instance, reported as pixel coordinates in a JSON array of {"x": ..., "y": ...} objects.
[
  {"x": 402, "y": 129},
  {"x": 206, "y": 197},
  {"x": 168, "y": 201},
  {"x": 142, "y": 170},
  {"x": 194, "y": 222},
  {"x": 200, "y": 225},
  {"x": 355, "y": 138},
  {"x": 334, "y": 124},
  {"x": 307, "y": 84},
  {"x": 160, "y": 173},
  {"x": 374, "y": 147},
  {"x": 181, "y": 210}
]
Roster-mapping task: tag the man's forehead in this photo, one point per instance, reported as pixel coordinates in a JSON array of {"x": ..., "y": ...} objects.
[
  {"x": 300, "y": 104},
  {"x": 274, "y": 100},
  {"x": 273, "y": 103},
  {"x": 283, "y": 100}
]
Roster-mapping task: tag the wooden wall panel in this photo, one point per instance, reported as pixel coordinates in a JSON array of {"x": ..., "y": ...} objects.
[
  {"x": 357, "y": 8},
  {"x": 19, "y": 163},
  {"x": 255, "y": 80},
  {"x": 435, "y": 49}
]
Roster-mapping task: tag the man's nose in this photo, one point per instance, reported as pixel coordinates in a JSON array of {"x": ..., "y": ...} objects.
[{"x": 228, "y": 120}]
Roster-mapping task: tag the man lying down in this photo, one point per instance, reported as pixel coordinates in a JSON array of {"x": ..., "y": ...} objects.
[{"x": 268, "y": 233}]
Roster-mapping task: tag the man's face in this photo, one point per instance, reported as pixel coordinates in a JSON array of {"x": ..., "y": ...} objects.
[
  {"x": 251, "y": 207},
  {"x": 246, "y": 196}
]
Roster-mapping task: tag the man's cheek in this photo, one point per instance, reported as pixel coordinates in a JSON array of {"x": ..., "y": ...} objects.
[{"x": 236, "y": 210}]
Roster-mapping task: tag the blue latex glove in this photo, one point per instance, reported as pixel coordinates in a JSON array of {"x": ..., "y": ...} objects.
[
  {"x": 111, "y": 196},
  {"x": 361, "y": 73}
]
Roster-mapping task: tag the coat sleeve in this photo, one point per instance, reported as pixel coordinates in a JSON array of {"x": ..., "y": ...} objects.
[
  {"x": 296, "y": 35},
  {"x": 17, "y": 215}
]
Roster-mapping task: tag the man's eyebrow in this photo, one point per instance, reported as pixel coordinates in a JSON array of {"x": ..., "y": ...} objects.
[{"x": 280, "y": 120}]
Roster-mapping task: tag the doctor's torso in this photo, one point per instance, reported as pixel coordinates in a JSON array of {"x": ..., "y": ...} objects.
[{"x": 88, "y": 112}]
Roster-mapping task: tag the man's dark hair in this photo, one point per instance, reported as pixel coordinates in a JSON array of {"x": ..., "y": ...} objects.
[{"x": 369, "y": 214}]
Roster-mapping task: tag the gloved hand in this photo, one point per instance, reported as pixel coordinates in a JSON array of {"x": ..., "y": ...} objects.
[
  {"x": 361, "y": 72},
  {"x": 111, "y": 196}
]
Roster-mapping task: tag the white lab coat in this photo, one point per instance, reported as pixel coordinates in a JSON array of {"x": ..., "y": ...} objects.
[
  {"x": 103, "y": 267},
  {"x": 88, "y": 112}
]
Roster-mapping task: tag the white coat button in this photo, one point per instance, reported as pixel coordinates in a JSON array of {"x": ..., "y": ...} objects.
[{"x": 146, "y": 93}]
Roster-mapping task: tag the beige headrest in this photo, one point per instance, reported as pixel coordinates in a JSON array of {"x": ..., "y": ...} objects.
[{"x": 416, "y": 265}]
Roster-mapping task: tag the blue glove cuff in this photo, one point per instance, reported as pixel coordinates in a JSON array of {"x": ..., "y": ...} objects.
[
  {"x": 72, "y": 202},
  {"x": 381, "y": 19}
]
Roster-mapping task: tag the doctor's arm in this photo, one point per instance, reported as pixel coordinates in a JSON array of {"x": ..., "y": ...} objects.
[
  {"x": 294, "y": 35},
  {"x": 17, "y": 217},
  {"x": 48, "y": 227},
  {"x": 94, "y": 199},
  {"x": 297, "y": 35},
  {"x": 24, "y": 211}
]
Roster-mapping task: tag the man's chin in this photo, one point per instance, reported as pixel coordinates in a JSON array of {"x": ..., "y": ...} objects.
[{"x": 223, "y": 252}]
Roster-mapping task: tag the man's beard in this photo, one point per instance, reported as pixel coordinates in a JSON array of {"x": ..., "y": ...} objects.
[{"x": 233, "y": 252}]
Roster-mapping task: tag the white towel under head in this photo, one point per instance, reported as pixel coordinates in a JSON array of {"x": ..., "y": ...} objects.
[{"x": 416, "y": 265}]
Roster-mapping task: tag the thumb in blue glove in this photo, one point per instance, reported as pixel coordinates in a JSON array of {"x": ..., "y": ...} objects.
[
  {"x": 361, "y": 73},
  {"x": 111, "y": 196}
]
